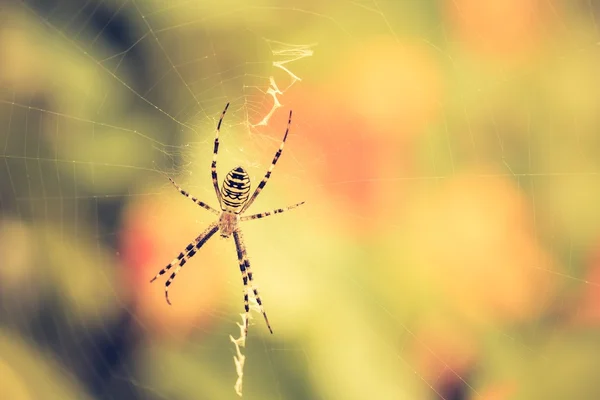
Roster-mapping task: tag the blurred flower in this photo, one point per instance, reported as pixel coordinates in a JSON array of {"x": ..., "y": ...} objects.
[
  {"x": 507, "y": 29},
  {"x": 499, "y": 391},
  {"x": 394, "y": 87},
  {"x": 475, "y": 239},
  {"x": 380, "y": 97}
]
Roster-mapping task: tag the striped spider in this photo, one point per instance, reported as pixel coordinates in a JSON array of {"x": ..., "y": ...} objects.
[{"x": 234, "y": 201}]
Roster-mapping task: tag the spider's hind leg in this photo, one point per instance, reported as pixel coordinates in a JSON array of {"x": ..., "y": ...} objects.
[
  {"x": 257, "y": 296},
  {"x": 247, "y": 278},
  {"x": 185, "y": 255}
]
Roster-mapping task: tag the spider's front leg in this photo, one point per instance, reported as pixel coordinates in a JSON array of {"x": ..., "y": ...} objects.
[
  {"x": 195, "y": 200},
  {"x": 262, "y": 183},
  {"x": 213, "y": 165},
  {"x": 267, "y": 213}
]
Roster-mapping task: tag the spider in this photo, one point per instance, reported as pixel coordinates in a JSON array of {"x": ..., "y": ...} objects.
[{"x": 234, "y": 201}]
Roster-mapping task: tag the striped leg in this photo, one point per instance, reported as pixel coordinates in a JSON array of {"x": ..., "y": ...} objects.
[
  {"x": 266, "y": 214},
  {"x": 195, "y": 200},
  {"x": 262, "y": 184},
  {"x": 213, "y": 166},
  {"x": 247, "y": 277},
  {"x": 240, "y": 255},
  {"x": 185, "y": 255}
]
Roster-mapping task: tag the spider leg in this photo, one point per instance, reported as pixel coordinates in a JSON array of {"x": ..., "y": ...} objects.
[
  {"x": 185, "y": 255},
  {"x": 195, "y": 200},
  {"x": 213, "y": 166},
  {"x": 262, "y": 184},
  {"x": 244, "y": 279},
  {"x": 267, "y": 213},
  {"x": 247, "y": 277}
]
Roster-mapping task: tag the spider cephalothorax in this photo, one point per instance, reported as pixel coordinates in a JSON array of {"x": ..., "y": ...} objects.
[
  {"x": 228, "y": 223},
  {"x": 234, "y": 200}
]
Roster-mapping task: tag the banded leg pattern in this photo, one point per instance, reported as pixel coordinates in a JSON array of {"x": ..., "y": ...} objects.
[
  {"x": 185, "y": 255},
  {"x": 213, "y": 166},
  {"x": 195, "y": 200},
  {"x": 247, "y": 278},
  {"x": 267, "y": 213},
  {"x": 262, "y": 183}
]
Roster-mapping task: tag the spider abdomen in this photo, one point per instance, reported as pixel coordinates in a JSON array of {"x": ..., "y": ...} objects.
[{"x": 235, "y": 190}]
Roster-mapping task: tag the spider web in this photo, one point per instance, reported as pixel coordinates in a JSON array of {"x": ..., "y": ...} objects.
[{"x": 448, "y": 247}]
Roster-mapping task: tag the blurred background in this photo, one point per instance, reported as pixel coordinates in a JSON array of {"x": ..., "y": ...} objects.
[{"x": 448, "y": 152}]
